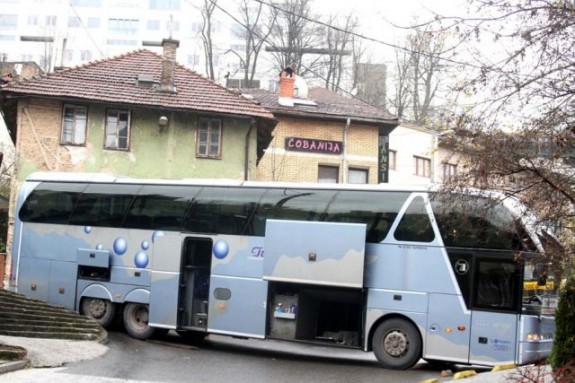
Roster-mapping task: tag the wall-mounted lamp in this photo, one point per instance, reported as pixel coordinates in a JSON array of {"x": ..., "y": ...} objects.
[{"x": 162, "y": 123}]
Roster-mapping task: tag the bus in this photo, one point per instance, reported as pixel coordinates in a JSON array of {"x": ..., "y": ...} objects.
[{"x": 404, "y": 272}]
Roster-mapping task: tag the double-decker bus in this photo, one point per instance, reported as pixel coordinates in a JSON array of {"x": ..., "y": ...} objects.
[{"x": 405, "y": 273}]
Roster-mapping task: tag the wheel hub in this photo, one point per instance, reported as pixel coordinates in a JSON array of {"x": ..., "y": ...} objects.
[
  {"x": 395, "y": 343},
  {"x": 97, "y": 308}
]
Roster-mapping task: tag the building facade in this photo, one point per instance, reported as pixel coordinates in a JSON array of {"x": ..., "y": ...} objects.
[{"x": 322, "y": 136}]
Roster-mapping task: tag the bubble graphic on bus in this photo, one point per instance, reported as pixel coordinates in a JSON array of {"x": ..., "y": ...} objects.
[
  {"x": 145, "y": 245},
  {"x": 221, "y": 249},
  {"x": 120, "y": 246},
  {"x": 157, "y": 234},
  {"x": 99, "y": 246},
  {"x": 87, "y": 229},
  {"x": 141, "y": 259}
]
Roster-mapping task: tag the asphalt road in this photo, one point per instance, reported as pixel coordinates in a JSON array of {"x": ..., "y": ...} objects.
[{"x": 223, "y": 359}]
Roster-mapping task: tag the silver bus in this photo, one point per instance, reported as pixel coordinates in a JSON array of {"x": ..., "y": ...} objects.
[{"x": 405, "y": 273}]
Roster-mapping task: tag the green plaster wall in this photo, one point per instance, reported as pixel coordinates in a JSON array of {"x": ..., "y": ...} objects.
[{"x": 169, "y": 153}]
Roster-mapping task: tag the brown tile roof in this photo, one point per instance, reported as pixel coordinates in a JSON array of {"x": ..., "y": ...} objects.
[
  {"x": 329, "y": 105},
  {"x": 115, "y": 80}
]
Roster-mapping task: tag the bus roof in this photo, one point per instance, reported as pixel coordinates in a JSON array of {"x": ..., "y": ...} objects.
[{"x": 111, "y": 178}]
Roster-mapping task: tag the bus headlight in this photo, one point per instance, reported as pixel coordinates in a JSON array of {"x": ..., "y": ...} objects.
[{"x": 532, "y": 336}]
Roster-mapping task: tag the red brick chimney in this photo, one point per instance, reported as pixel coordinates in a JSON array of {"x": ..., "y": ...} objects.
[
  {"x": 168, "y": 65},
  {"x": 287, "y": 87}
]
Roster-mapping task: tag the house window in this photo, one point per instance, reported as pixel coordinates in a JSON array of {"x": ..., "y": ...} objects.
[
  {"x": 124, "y": 26},
  {"x": 51, "y": 20},
  {"x": 209, "y": 139},
  {"x": 74, "y": 22},
  {"x": 357, "y": 176},
  {"x": 74, "y": 125},
  {"x": 117, "y": 129},
  {"x": 85, "y": 55},
  {"x": 449, "y": 170},
  {"x": 93, "y": 22},
  {"x": 422, "y": 166},
  {"x": 153, "y": 25},
  {"x": 327, "y": 174},
  {"x": 393, "y": 160},
  {"x": 8, "y": 21}
]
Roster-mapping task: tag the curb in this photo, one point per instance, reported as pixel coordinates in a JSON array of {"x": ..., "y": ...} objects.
[{"x": 13, "y": 366}]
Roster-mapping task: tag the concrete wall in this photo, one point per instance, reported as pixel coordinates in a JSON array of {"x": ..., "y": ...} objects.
[{"x": 360, "y": 150}]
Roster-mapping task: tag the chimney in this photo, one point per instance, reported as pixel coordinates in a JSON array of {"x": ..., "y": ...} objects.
[
  {"x": 168, "y": 65},
  {"x": 286, "y": 91}
]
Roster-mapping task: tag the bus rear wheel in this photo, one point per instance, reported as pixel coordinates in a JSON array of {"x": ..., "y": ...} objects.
[
  {"x": 136, "y": 321},
  {"x": 101, "y": 310},
  {"x": 396, "y": 344}
]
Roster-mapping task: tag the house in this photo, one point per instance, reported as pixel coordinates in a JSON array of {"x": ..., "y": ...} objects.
[
  {"x": 140, "y": 115},
  {"x": 416, "y": 156},
  {"x": 322, "y": 136}
]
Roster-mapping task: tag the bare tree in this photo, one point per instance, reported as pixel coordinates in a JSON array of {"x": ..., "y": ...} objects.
[
  {"x": 256, "y": 33},
  {"x": 418, "y": 73},
  {"x": 338, "y": 40},
  {"x": 207, "y": 16},
  {"x": 294, "y": 32},
  {"x": 519, "y": 133}
]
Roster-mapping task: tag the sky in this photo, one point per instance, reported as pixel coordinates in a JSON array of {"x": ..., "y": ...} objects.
[{"x": 386, "y": 20}]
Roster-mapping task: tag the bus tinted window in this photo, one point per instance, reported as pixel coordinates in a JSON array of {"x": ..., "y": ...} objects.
[
  {"x": 160, "y": 207},
  {"x": 223, "y": 210},
  {"x": 415, "y": 225},
  {"x": 103, "y": 205},
  {"x": 290, "y": 204},
  {"x": 496, "y": 286},
  {"x": 377, "y": 210},
  {"x": 51, "y": 203},
  {"x": 470, "y": 221}
]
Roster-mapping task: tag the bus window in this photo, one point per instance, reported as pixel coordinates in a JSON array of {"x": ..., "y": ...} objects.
[
  {"x": 471, "y": 221},
  {"x": 289, "y": 204},
  {"x": 377, "y": 210},
  {"x": 415, "y": 225},
  {"x": 51, "y": 203},
  {"x": 223, "y": 210},
  {"x": 103, "y": 205},
  {"x": 496, "y": 285},
  {"x": 160, "y": 207}
]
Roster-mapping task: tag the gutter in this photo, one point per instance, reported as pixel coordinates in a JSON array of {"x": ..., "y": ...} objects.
[{"x": 247, "y": 149}]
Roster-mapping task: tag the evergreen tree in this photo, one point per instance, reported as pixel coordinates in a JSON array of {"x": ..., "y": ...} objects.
[{"x": 563, "y": 351}]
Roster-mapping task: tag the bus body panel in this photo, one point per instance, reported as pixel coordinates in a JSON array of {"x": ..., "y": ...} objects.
[
  {"x": 533, "y": 350},
  {"x": 237, "y": 306},
  {"x": 324, "y": 253},
  {"x": 166, "y": 262},
  {"x": 448, "y": 329},
  {"x": 429, "y": 268},
  {"x": 244, "y": 256},
  {"x": 493, "y": 337}
]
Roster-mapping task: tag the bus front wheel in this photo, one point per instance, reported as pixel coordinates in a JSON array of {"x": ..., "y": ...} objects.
[
  {"x": 101, "y": 310},
  {"x": 396, "y": 344},
  {"x": 136, "y": 321}
]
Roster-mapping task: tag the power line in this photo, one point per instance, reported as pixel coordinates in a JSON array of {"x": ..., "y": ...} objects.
[{"x": 361, "y": 36}]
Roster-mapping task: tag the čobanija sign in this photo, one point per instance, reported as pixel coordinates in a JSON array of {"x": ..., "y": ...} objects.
[{"x": 315, "y": 146}]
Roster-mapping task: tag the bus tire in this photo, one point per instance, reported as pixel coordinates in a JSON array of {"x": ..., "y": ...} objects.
[
  {"x": 100, "y": 310},
  {"x": 396, "y": 344},
  {"x": 136, "y": 321}
]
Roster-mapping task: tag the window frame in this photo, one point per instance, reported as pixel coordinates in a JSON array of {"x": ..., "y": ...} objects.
[
  {"x": 449, "y": 170},
  {"x": 364, "y": 171},
  {"x": 425, "y": 170},
  {"x": 331, "y": 167},
  {"x": 208, "y": 141},
  {"x": 392, "y": 159},
  {"x": 106, "y": 126},
  {"x": 75, "y": 107}
]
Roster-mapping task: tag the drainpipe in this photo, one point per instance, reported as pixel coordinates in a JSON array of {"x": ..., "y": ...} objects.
[
  {"x": 344, "y": 159},
  {"x": 247, "y": 150}
]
